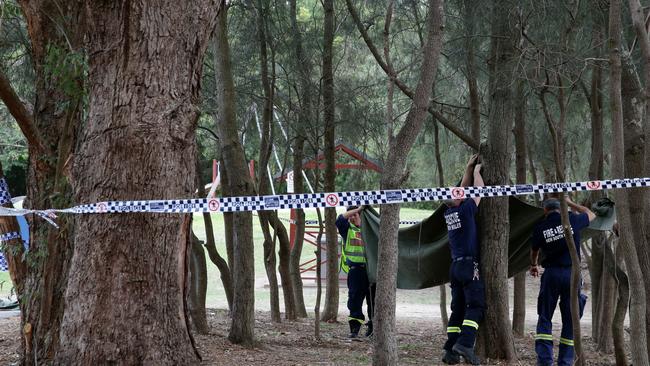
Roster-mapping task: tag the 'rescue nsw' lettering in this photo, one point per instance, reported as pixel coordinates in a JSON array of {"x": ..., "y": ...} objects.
[{"x": 453, "y": 221}]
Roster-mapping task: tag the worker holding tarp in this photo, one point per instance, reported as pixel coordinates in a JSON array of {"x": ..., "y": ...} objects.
[
  {"x": 556, "y": 279},
  {"x": 353, "y": 262},
  {"x": 467, "y": 288}
]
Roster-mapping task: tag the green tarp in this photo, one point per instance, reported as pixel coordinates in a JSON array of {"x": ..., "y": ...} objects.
[{"x": 424, "y": 256}]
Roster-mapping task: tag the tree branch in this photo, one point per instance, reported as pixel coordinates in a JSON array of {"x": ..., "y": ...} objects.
[
  {"x": 23, "y": 115},
  {"x": 403, "y": 87}
]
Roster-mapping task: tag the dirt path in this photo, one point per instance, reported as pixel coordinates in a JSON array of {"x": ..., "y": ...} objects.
[{"x": 293, "y": 343}]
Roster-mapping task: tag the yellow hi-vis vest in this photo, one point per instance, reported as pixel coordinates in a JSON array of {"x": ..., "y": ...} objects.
[{"x": 354, "y": 248}]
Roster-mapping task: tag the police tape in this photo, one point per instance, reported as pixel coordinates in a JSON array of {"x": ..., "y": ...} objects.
[{"x": 331, "y": 199}]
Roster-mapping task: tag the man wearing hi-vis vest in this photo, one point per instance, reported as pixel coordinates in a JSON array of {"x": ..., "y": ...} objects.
[{"x": 353, "y": 262}]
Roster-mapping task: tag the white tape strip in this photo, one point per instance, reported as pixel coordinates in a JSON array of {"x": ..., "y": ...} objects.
[{"x": 333, "y": 199}]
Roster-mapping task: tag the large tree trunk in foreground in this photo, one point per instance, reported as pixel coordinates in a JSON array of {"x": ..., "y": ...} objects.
[
  {"x": 331, "y": 309},
  {"x": 399, "y": 147},
  {"x": 613, "y": 267},
  {"x": 138, "y": 143},
  {"x": 51, "y": 136},
  {"x": 638, "y": 301},
  {"x": 238, "y": 183},
  {"x": 441, "y": 183},
  {"x": 494, "y": 223}
]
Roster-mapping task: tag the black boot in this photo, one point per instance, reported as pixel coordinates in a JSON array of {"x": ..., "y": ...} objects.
[
  {"x": 369, "y": 328},
  {"x": 355, "y": 326},
  {"x": 450, "y": 358},
  {"x": 467, "y": 353}
]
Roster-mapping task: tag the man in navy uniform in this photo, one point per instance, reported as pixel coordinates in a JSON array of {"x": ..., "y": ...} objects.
[
  {"x": 556, "y": 279},
  {"x": 467, "y": 288},
  {"x": 353, "y": 262}
]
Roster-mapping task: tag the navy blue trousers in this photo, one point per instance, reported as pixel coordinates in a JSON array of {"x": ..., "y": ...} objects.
[
  {"x": 555, "y": 283},
  {"x": 360, "y": 289},
  {"x": 467, "y": 303}
]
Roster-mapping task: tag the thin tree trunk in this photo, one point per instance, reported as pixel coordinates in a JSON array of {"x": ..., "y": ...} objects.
[
  {"x": 237, "y": 182},
  {"x": 441, "y": 183},
  {"x": 198, "y": 286},
  {"x": 210, "y": 243},
  {"x": 470, "y": 66},
  {"x": 229, "y": 216},
  {"x": 330, "y": 312},
  {"x": 519, "y": 303},
  {"x": 612, "y": 264},
  {"x": 638, "y": 301},
  {"x": 392, "y": 178},
  {"x": 302, "y": 63},
  {"x": 266, "y": 143},
  {"x": 494, "y": 223},
  {"x": 319, "y": 287},
  {"x": 280, "y": 233}
]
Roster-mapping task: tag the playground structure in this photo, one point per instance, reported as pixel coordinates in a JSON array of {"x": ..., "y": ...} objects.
[{"x": 312, "y": 228}]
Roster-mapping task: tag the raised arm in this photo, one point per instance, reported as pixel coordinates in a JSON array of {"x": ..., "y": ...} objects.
[
  {"x": 580, "y": 208},
  {"x": 347, "y": 214},
  {"x": 469, "y": 171},
  {"x": 478, "y": 181}
]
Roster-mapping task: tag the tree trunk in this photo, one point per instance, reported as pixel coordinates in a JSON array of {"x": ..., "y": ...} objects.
[
  {"x": 198, "y": 286},
  {"x": 519, "y": 303},
  {"x": 612, "y": 264},
  {"x": 331, "y": 309},
  {"x": 304, "y": 113},
  {"x": 237, "y": 182},
  {"x": 229, "y": 216},
  {"x": 392, "y": 178},
  {"x": 638, "y": 301},
  {"x": 494, "y": 224},
  {"x": 441, "y": 183},
  {"x": 635, "y": 132},
  {"x": 470, "y": 65},
  {"x": 51, "y": 134},
  {"x": 280, "y": 233},
  {"x": 210, "y": 244},
  {"x": 131, "y": 152},
  {"x": 266, "y": 145}
]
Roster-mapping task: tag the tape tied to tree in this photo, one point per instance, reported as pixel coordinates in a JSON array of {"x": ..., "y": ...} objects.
[{"x": 331, "y": 199}]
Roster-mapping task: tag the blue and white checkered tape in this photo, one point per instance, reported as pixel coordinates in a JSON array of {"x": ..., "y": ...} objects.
[
  {"x": 333, "y": 199},
  {"x": 4, "y": 266},
  {"x": 5, "y": 197}
]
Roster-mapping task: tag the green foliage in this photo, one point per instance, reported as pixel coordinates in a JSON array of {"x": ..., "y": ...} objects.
[{"x": 67, "y": 69}]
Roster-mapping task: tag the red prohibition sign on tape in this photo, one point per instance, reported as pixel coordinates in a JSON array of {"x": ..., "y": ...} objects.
[
  {"x": 213, "y": 204},
  {"x": 101, "y": 207},
  {"x": 332, "y": 199},
  {"x": 594, "y": 184},
  {"x": 458, "y": 193}
]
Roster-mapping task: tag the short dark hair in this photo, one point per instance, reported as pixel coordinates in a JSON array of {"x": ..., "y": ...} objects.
[
  {"x": 350, "y": 208},
  {"x": 551, "y": 204}
]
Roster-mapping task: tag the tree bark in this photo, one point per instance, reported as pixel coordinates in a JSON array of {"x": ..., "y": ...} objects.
[
  {"x": 304, "y": 113},
  {"x": 238, "y": 183},
  {"x": 636, "y": 133},
  {"x": 441, "y": 183},
  {"x": 638, "y": 301},
  {"x": 470, "y": 66},
  {"x": 392, "y": 178},
  {"x": 138, "y": 143},
  {"x": 52, "y": 138},
  {"x": 210, "y": 244},
  {"x": 270, "y": 263},
  {"x": 612, "y": 264},
  {"x": 493, "y": 215},
  {"x": 198, "y": 286},
  {"x": 519, "y": 303},
  {"x": 331, "y": 308}
]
